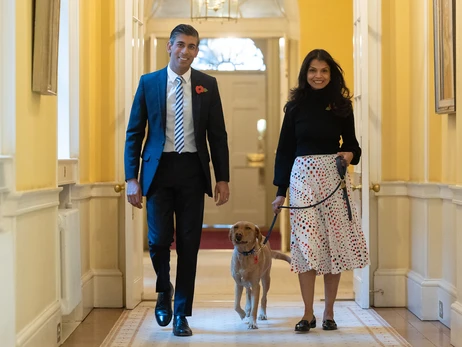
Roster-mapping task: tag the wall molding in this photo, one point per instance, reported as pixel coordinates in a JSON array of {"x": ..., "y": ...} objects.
[
  {"x": 422, "y": 296},
  {"x": 108, "y": 288},
  {"x": 390, "y": 288},
  {"x": 421, "y": 190},
  {"x": 6, "y": 179},
  {"x": 6, "y": 173},
  {"x": 19, "y": 203},
  {"x": 447, "y": 294},
  {"x": 255, "y": 28},
  {"x": 43, "y": 325},
  {"x": 456, "y": 323},
  {"x": 94, "y": 190},
  {"x": 102, "y": 288}
]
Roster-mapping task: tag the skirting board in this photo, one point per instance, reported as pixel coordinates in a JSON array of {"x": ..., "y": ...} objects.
[
  {"x": 430, "y": 299},
  {"x": 422, "y": 296},
  {"x": 456, "y": 324},
  {"x": 108, "y": 286},
  {"x": 43, "y": 330},
  {"x": 390, "y": 288}
]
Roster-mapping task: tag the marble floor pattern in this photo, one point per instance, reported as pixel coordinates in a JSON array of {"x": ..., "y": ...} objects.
[{"x": 213, "y": 311}]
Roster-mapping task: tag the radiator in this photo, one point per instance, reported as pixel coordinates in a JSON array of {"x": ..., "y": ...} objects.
[{"x": 71, "y": 287}]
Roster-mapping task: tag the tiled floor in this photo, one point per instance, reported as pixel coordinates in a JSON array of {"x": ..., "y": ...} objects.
[{"x": 215, "y": 283}]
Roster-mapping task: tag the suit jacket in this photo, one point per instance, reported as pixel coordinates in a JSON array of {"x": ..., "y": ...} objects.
[{"x": 149, "y": 108}]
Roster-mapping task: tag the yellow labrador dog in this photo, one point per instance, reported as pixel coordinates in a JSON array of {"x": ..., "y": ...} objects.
[{"x": 250, "y": 263}]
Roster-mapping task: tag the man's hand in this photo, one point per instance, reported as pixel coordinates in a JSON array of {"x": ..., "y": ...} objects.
[
  {"x": 134, "y": 195},
  {"x": 221, "y": 193}
]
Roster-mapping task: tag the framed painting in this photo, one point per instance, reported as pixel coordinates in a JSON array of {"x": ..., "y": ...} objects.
[
  {"x": 45, "y": 54},
  {"x": 443, "y": 33}
]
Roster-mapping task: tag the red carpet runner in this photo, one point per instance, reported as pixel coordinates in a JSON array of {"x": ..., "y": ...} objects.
[{"x": 218, "y": 239}]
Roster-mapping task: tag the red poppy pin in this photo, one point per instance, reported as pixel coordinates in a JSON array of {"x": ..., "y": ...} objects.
[{"x": 200, "y": 90}]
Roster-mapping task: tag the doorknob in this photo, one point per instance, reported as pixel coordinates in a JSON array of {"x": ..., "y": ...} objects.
[
  {"x": 375, "y": 187},
  {"x": 119, "y": 187}
]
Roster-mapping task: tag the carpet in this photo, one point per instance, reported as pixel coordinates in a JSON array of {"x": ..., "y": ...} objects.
[
  {"x": 217, "y": 324},
  {"x": 219, "y": 239}
]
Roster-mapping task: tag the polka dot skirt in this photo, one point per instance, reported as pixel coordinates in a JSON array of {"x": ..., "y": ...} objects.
[{"x": 323, "y": 238}]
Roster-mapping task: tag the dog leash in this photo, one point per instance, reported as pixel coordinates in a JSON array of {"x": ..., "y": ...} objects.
[{"x": 342, "y": 184}]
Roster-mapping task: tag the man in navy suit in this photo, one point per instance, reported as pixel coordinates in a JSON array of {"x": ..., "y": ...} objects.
[{"x": 176, "y": 181}]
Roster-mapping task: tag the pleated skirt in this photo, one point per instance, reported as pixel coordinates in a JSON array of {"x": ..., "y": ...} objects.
[{"x": 323, "y": 238}]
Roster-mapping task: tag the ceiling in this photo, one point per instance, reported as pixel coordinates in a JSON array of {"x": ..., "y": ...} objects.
[{"x": 247, "y": 9}]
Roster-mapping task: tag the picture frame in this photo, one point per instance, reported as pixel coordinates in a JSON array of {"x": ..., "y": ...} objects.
[
  {"x": 45, "y": 54},
  {"x": 444, "y": 50}
]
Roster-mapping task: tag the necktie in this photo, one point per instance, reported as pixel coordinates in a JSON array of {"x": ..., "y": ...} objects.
[{"x": 179, "y": 131}]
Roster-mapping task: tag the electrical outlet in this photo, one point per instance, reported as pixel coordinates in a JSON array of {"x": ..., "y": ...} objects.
[
  {"x": 441, "y": 309},
  {"x": 58, "y": 333}
]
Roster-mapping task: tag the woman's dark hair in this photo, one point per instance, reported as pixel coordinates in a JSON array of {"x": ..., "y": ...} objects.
[
  {"x": 185, "y": 29},
  {"x": 338, "y": 93}
]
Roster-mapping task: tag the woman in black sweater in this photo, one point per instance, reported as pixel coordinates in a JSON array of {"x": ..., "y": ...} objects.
[{"x": 319, "y": 126}]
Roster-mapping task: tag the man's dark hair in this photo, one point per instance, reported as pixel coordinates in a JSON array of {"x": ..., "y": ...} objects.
[{"x": 185, "y": 29}]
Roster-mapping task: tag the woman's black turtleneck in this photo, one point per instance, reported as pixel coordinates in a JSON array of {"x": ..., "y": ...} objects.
[{"x": 312, "y": 128}]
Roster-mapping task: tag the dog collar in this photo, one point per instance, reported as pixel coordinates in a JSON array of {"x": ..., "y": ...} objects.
[{"x": 252, "y": 251}]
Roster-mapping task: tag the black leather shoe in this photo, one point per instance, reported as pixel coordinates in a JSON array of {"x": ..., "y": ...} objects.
[
  {"x": 304, "y": 326},
  {"x": 329, "y": 324},
  {"x": 163, "y": 310},
  {"x": 181, "y": 326}
]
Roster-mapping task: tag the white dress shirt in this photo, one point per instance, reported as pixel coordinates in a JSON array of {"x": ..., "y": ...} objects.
[{"x": 189, "y": 139}]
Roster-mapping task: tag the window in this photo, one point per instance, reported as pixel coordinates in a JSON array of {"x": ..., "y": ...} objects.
[
  {"x": 7, "y": 77},
  {"x": 68, "y": 80},
  {"x": 229, "y": 54},
  {"x": 68, "y": 93},
  {"x": 63, "y": 82}
]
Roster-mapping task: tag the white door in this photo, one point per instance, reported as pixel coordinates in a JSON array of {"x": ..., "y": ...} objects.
[
  {"x": 366, "y": 107},
  {"x": 129, "y": 69},
  {"x": 243, "y": 96},
  {"x": 366, "y": 70}
]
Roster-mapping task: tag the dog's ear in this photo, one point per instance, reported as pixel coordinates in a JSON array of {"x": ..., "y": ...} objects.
[
  {"x": 230, "y": 234},
  {"x": 258, "y": 234}
]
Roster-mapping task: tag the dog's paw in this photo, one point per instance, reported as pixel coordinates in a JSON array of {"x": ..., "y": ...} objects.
[
  {"x": 252, "y": 325},
  {"x": 262, "y": 316},
  {"x": 241, "y": 313}
]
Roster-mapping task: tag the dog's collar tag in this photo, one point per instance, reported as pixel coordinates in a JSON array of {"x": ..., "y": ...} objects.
[{"x": 255, "y": 259}]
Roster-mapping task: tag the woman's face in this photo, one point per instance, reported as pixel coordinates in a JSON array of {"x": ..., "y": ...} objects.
[{"x": 318, "y": 74}]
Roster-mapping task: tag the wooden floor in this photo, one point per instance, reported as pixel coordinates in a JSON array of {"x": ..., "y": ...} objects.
[{"x": 99, "y": 322}]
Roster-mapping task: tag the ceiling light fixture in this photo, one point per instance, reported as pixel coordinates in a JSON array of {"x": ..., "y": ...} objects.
[{"x": 221, "y": 10}]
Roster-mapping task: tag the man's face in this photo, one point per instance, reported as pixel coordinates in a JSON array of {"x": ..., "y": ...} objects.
[{"x": 182, "y": 53}]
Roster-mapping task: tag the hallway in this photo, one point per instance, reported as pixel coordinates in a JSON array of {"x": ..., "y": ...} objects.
[{"x": 214, "y": 301}]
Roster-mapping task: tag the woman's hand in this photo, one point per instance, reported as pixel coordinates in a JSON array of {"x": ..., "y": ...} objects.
[
  {"x": 279, "y": 201},
  {"x": 347, "y": 157}
]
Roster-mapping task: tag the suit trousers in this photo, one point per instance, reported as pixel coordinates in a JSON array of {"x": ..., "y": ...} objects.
[{"x": 176, "y": 193}]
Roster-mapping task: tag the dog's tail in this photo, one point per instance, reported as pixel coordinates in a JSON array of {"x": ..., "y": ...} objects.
[{"x": 280, "y": 256}]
